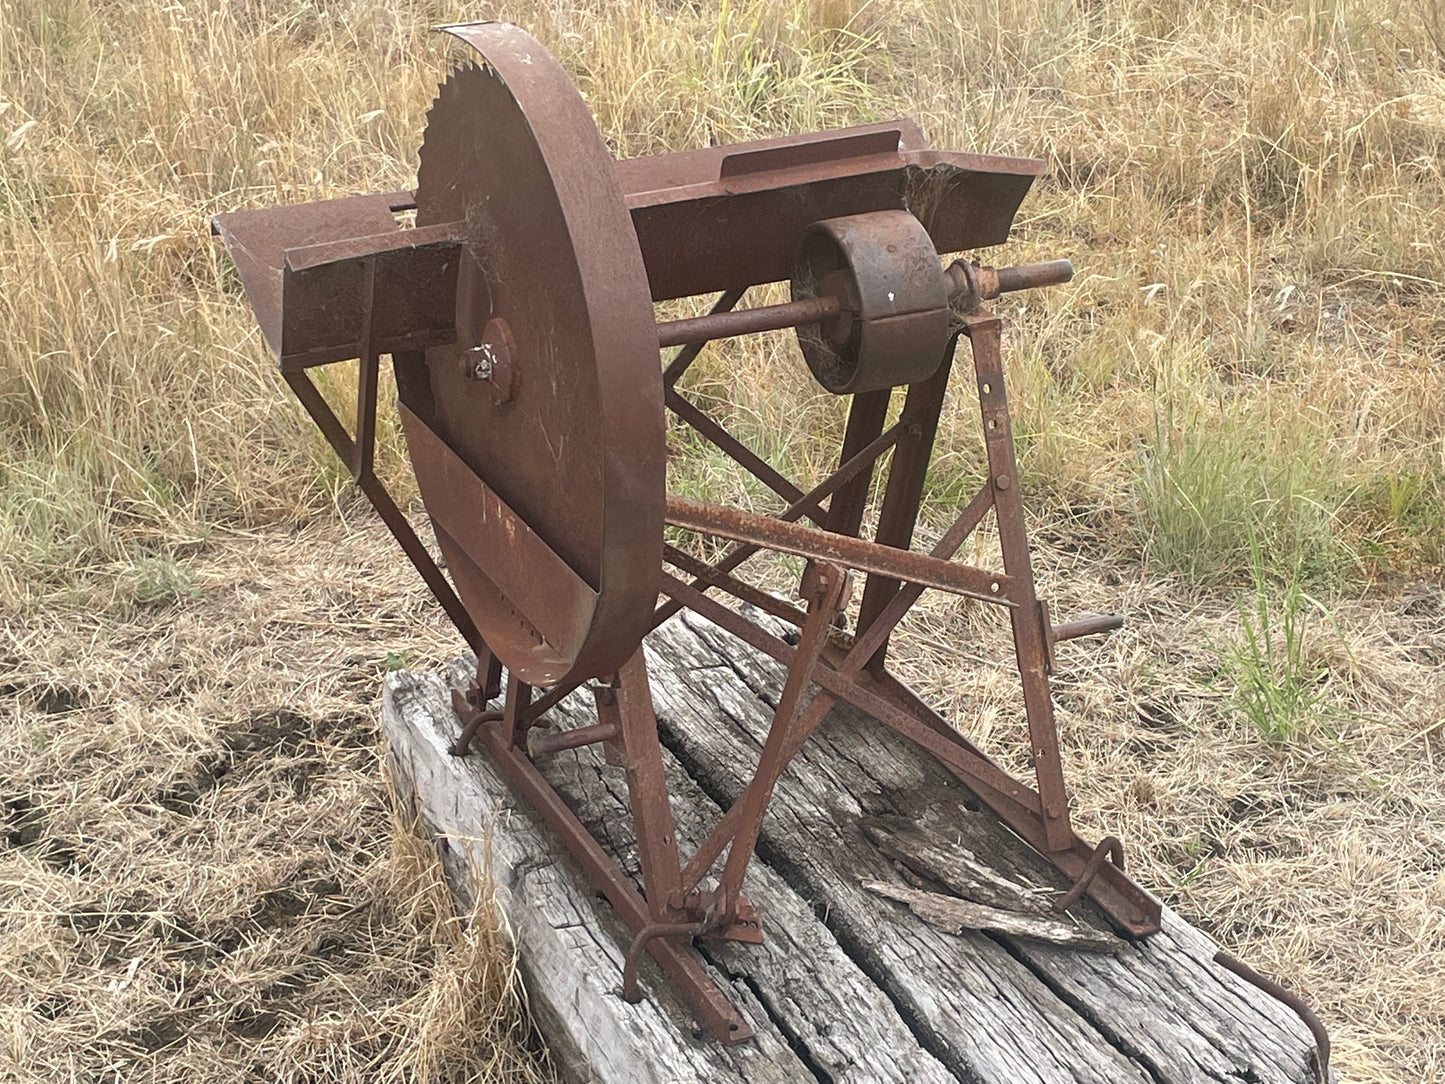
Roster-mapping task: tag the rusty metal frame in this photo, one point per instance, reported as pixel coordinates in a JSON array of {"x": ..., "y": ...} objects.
[
  {"x": 687, "y": 974},
  {"x": 854, "y": 675},
  {"x": 672, "y": 907},
  {"x": 912, "y": 448},
  {"x": 342, "y": 279},
  {"x": 855, "y": 466},
  {"x": 894, "y": 584}
]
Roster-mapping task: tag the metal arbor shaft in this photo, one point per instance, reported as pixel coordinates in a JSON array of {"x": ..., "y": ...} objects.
[{"x": 550, "y": 274}]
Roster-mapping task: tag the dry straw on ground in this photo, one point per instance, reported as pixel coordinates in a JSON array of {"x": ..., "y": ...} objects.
[
  {"x": 1231, "y": 429},
  {"x": 203, "y": 876}
]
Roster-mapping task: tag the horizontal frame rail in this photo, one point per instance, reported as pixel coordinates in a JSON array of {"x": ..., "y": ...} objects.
[
  {"x": 845, "y": 473},
  {"x": 774, "y": 534}
]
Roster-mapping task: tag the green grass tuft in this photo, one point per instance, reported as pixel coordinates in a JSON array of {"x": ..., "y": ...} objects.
[
  {"x": 1279, "y": 687},
  {"x": 1223, "y": 497}
]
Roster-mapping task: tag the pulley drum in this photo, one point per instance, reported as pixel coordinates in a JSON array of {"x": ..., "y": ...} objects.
[{"x": 894, "y": 324}]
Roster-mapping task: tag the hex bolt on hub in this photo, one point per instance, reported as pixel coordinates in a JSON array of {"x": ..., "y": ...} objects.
[{"x": 477, "y": 363}]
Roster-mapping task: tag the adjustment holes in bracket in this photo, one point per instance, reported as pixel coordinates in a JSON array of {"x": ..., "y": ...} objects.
[
  {"x": 992, "y": 424},
  {"x": 994, "y": 587},
  {"x": 987, "y": 387}
]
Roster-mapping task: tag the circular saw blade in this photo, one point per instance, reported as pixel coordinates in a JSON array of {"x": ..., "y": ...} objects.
[{"x": 573, "y": 445}]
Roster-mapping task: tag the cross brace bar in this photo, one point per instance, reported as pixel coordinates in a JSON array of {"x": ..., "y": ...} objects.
[{"x": 767, "y": 532}]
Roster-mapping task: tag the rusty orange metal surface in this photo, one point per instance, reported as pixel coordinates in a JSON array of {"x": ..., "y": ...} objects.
[{"x": 518, "y": 316}]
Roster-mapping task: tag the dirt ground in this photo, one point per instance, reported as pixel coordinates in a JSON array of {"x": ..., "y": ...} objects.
[{"x": 201, "y": 875}]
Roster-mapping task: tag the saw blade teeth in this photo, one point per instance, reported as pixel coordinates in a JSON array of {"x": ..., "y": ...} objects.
[
  {"x": 448, "y": 89},
  {"x": 449, "y": 84}
]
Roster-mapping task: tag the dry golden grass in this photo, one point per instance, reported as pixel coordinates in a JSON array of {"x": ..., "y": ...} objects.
[
  {"x": 202, "y": 875},
  {"x": 1237, "y": 403},
  {"x": 1317, "y": 858}
]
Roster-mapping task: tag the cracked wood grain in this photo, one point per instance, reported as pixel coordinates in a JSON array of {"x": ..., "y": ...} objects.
[
  {"x": 1160, "y": 1006},
  {"x": 956, "y": 868},
  {"x": 953, "y": 915}
]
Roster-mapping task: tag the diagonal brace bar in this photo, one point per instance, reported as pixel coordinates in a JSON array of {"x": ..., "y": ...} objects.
[
  {"x": 978, "y": 768},
  {"x": 845, "y": 473},
  {"x": 395, "y": 520},
  {"x": 741, "y": 454},
  {"x": 1126, "y": 903},
  {"x": 853, "y": 663},
  {"x": 824, "y": 584}
]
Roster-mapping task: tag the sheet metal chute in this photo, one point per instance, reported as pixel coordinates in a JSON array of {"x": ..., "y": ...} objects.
[{"x": 517, "y": 311}]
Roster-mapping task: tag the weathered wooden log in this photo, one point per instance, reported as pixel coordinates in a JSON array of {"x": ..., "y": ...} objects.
[
  {"x": 571, "y": 946},
  {"x": 848, "y": 986}
]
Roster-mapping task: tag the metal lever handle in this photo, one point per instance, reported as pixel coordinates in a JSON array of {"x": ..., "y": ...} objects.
[
  {"x": 1087, "y": 626},
  {"x": 1029, "y": 276},
  {"x": 1080, "y": 626}
]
